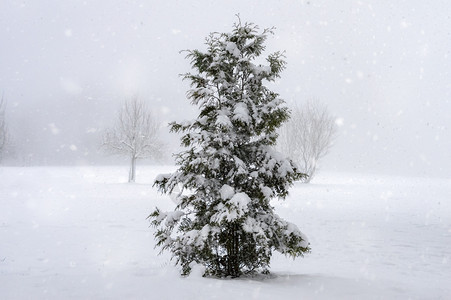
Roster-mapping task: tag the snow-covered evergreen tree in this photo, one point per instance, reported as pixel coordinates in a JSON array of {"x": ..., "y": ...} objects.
[{"x": 229, "y": 171}]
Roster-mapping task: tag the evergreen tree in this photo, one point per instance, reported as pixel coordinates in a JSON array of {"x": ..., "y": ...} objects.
[{"x": 229, "y": 171}]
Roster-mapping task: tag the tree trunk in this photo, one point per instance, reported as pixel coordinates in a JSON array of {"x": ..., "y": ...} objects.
[
  {"x": 233, "y": 259},
  {"x": 131, "y": 174}
]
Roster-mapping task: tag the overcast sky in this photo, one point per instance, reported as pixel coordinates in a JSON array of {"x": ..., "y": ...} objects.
[{"x": 382, "y": 68}]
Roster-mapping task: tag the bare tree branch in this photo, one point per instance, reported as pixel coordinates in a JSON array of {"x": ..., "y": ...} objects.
[
  {"x": 308, "y": 136},
  {"x": 135, "y": 134}
]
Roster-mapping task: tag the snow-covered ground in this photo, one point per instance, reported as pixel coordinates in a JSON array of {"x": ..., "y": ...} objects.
[{"x": 82, "y": 233}]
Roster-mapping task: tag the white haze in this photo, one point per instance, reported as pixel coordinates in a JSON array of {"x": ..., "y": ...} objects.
[{"x": 382, "y": 67}]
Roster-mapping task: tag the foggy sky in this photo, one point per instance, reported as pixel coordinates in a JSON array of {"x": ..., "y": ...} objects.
[{"x": 382, "y": 68}]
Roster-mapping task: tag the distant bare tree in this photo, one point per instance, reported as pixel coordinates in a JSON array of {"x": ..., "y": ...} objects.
[
  {"x": 3, "y": 128},
  {"x": 308, "y": 136},
  {"x": 135, "y": 134}
]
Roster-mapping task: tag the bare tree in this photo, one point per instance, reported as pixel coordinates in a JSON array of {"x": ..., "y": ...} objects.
[
  {"x": 308, "y": 136},
  {"x": 135, "y": 134},
  {"x": 3, "y": 128}
]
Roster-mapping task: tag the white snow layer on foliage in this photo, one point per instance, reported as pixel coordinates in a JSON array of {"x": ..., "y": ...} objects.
[
  {"x": 251, "y": 225},
  {"x": 233, "y": 49},
  {"x": 198, "y": 237},
  {"x": 226, "y": 192},
  {"x": 285, "y": 168},
  {"x": 223, "y": 120},
  {"x": 235, "y": 208},
  {"x": 259, "y": 225},
  {"x": 162, "y": 177},
  {"x": 267, "y": 192},
  {"x": 241, "y": 113},
  {"x": 173, "y": 217},
  {"x": 276, "y": 158},
  {"x": 293, "y": 229},
  {"x": 257, "y": 70},
  {"x": 191, "y": 238},
  {"x": 240, "y": 201}
]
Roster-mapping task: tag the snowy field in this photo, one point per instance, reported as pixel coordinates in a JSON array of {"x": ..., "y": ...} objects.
[{"x": 82, "y": 233}]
